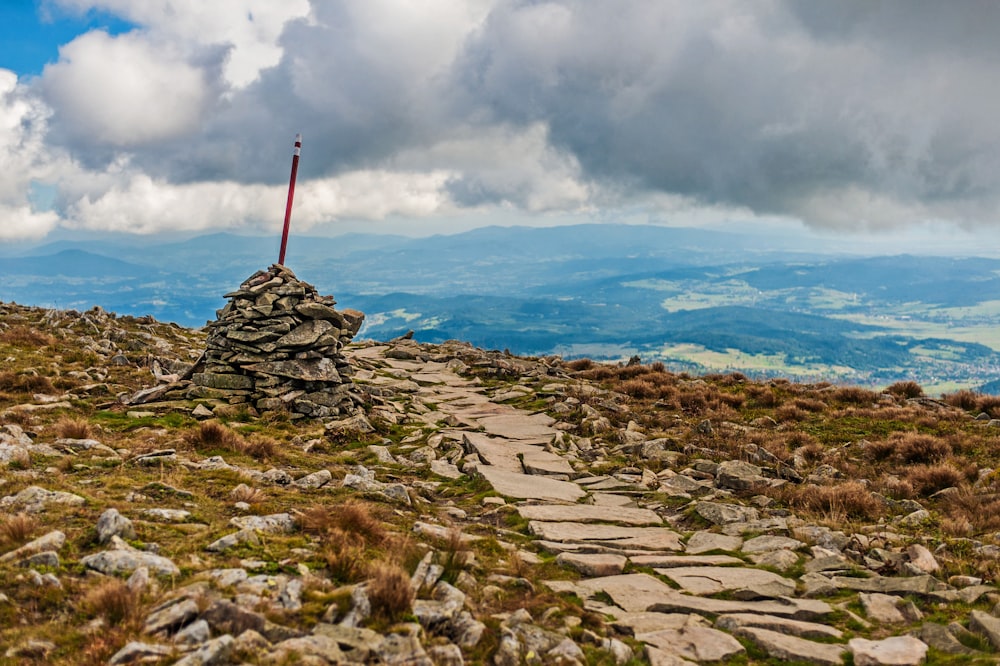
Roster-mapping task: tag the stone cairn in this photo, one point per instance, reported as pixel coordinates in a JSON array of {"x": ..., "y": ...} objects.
[{"x": 277, "y": 344}]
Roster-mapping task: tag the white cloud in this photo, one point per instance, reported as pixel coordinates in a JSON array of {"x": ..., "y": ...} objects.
[
  {"x": 251, "y": 28},
  {"x": 22, "y": 223},
  {"x": 143, "y": 205},
  {"x": 124, "y": 90}
]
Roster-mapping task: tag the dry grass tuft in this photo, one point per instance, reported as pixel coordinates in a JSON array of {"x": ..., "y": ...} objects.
[
  {"x": 928, "y": 479},
  {"x": 24, "y": 336},
  {"x": 909, "y": 448},
  {"x": 345, "y": 557},
  {"x": 17, "y": 529},
  {"x": 71, "y": 428},
  {"x": 580, "y": 364},
  {"x": 244, "y": 493},
  {"x": 965, "y": 399},
  {"x": 855, "y": 395},
  {"x": 980, "y": 511},
  {"x": 389, "y": 592},
  {"x": 211, "y": 435},
  {"x": 352, "y": 518},
  {"x": 113, "y": 600},
  {"x": 838, "y": 503},
  {"x": 907, "y": 389},
  {"x": 25, "y": 383},
  {"x": 260, "y": 447}
]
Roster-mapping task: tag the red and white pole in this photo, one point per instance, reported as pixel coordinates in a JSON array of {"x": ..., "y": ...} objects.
[{"x": 291, "y": 195}]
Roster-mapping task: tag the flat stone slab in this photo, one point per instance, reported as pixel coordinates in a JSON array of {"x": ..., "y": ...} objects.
[
  {"x": 539, "y": 461},
  {"x": 646, "y": 623},
  {"x": 797, "y": 609},
  {"x": 670, "y": 561},
  {"x": 501, "y": 453},
  {"x": 792, "y": 648},
  {"x": 527, "y": 486},
  {"x": 645, "y": 538},
  {"x": 634, "y": 593},
  {"x": 894, "y": 651},
  {"x": 783, "y": 625},
  {"x": 923, "y": 585},
  {"x": 769, "y": 542},
  {"x": 724, "y": 514},
  {"x": 611, "y": 499},
  {"x": 519, "y": 426},
  {"x": 703, "y": 542},
  {"x": 747, "y": 583},
  {"x": 694, "y": 642},
  {"x": 589, "y": 513},
  {"x": 594, "y": 564}
]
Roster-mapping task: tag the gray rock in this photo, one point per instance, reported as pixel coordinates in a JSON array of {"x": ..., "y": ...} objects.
[
  {"x": 52, "y": 541},
  {"x": 704, "y": 541},
  {"x": 118, "y": 562},
  {"x": 111, "y": 523},
  {"x": 894, "y": 651},
  {"x": 881, "y": 608},
  {"x": 172, "y": 617},
  {"x": 723, "y": 514},
  {"x": 277, "y": 523},
  {"x": 767, "y": 542},
  {"x": 739, "y": 475},
  {"x": 783, "y": 625},
  {"x": 446, "y": 655},
  {"x": 742, "y": 582},
  {"x": 316, "y": 645},
  {"x": 987, "y": 625},
  {"x": 139, "y": 652},
  {"x": 596, "y": 564},
  {"x": 214, "y": 652},
  {"x": 314, "y": 480},
  {"x": 232, "y": 540},
  {"x": 695, "y": 642},
  {"x": 792, "y": 648},
  {"x": 589, "y": 513},
  {"x": 942, "y": 640},
  {"x": 34, "y": 500},
  {"x": 193, "y": 634}
]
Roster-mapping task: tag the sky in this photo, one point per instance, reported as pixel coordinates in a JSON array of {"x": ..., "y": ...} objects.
[{"x": 857, "y": 118}]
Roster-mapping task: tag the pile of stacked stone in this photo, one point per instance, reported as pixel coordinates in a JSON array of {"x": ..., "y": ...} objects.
[{"x": 277, "y": 344}]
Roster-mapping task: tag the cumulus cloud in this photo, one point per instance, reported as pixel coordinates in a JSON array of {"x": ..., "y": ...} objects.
[
  {"x": 124, "y": 91},
  {"x": 250, "y": 29}
]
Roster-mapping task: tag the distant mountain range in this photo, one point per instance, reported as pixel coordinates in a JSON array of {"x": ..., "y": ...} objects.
[{"x": 698, "y": 300}]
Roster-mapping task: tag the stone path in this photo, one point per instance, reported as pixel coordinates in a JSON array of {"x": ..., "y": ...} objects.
[{"x": 686, "y": 596}]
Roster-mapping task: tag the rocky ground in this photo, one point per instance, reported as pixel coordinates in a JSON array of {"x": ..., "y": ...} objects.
[{"x": 479, "y": 508}]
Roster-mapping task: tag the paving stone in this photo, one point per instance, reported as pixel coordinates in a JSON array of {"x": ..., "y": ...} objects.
[
  {"x": 704, "y": 541},
  {"x": 670, "y": 561},
  {"x": 588, "y": 513},
  {"x": 596, "y": 564},
  {"x": 793, "y": 648},
  {"x": 642, "y": 592},
  {"x": 782, "y": 560},
  {"x": 519, "y": 426},
  {"x": 722, "y": 514},
  {"x": 894, "y": 651},
  {"x": 770, "y": 542},
  {"x": 782, "y": 625},
  {"x": 645, "y": 623},
  {"x": 648, "y": 538},
  {"x": 526, "y": 486},
  {"x": 922, "y": 585},
  {"x": 694, "y": 642},
  {"x": 743, "y": 582},
  {"x": 881, "y": 608}
]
